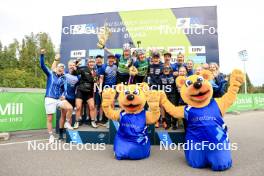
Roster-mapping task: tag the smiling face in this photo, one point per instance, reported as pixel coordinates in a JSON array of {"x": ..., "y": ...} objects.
[
  {"x": 71, "y": 66},
  {"x": 91, "y": 64},
  {"x": 131, "y": 98},
  {"x": 141, "y": 57},
  {"x": 180, "y": 59},
  {"x": 60, "y": 69},
  {"x": 126, "y": 53},
  {"x": 196, "y": 91}
]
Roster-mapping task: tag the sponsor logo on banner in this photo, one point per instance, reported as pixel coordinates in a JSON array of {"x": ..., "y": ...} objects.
[
  {"x": 11, "y": 109},
  {"x": 176, "y": 49},
  {"x": 192, "y": 22},
  {"x": 197, "y": 49},
  {"x": 82, "y": 29},
  {"x": 78, "y": 53}
]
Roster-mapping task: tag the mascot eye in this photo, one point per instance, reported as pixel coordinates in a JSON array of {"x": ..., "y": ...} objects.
[
  {"x": 136, "y": 92},
  {"x": 127, "y": 92},
  {"x": 200, "y": 79},
  {"x": 188, "y": 83}
]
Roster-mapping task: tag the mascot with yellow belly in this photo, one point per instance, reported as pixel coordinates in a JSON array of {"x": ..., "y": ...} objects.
[
  {"x": 132, "y": 141},
  {"x": 205, "y": 131}
]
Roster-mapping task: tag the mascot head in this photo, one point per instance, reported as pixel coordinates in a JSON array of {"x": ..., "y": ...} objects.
[
  {"x": 132, "y": 98},
  {"x": 196, "y": 90}
]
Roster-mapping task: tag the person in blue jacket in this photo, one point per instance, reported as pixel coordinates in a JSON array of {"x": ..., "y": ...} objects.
[{"x": 54, "y": 90}]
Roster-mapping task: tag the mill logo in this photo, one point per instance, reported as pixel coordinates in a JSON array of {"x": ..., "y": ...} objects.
[{"x": 11, "y": 109}]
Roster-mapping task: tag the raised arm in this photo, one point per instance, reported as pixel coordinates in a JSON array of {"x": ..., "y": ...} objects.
[
  {"x": 175, "y": 111},
  {"x": 108, "y": 97},
  {"x": 42, "y": 63},
  {"x": 55, "y": 62},
  {"x": 108, "y": 50},
  {"x": 237, "y": 78},
  {"x": 153, "y": 113}
]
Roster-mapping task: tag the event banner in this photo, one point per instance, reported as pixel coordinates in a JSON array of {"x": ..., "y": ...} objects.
[
  {"x": 191, "y": 31},
  {"x": 247, "y": 102},
  {"x": 22, "y": 111}
]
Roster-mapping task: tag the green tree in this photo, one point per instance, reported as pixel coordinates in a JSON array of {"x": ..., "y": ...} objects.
[{"x": 19, "y": 63}]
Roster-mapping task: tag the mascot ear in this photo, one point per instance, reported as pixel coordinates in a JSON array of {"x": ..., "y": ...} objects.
[
  {"x": 206, "y": 74},
  {"x": 180, "y": 81},
  {"x": 144, "y": 87},
  {"x": 120, "y": 88}
]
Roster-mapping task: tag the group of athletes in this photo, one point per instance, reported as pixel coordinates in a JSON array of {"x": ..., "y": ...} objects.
[{"x": 79, "y": 89}]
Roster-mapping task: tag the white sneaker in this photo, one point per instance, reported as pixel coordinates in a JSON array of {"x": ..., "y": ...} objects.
[
  {"x": 51, "y": 139},
  {"x": 76, "y": 125},
  {"x": 68, "y": 126},
  {"x": 94, "y": 125}
]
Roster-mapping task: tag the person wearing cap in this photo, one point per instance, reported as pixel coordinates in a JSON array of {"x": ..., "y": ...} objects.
[
  {"x": 155, "y": 71},
  {"x": 169, "y": 87},
  {"x": 85, "y": 91},
  {"x": 167, "y": 61},
  {"x": 142, "y": 66},
  {"x": 123, "y": 62},
  {"x": 109, "y": 72},
  {"x": 54, "y": 92}
]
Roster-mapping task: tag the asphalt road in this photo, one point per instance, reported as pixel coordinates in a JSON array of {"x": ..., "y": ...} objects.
[{"x": 246, "y": 129}]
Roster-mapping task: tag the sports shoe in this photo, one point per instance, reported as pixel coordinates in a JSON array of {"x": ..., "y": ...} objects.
[
  {"x": 68, "y": 126},
  {"x": 76, "y": 125},
  {"x": 51, "y": 139},
  {"x": 94, "y": 125}
]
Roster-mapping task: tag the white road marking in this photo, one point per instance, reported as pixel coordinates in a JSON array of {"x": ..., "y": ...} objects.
[{"x": 23, "y": 142}]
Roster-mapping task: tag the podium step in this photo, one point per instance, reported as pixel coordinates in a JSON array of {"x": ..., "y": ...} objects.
[{"x": 87, "y": 134}]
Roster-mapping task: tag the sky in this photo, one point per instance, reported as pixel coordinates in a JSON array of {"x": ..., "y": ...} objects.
[{"x": 239, "y": 24}]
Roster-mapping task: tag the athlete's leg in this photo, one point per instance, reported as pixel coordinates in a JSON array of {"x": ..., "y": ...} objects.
[
  {"x": 49, "y": 123},
  {"x": 92, "y": 110},
  {"x": 65, "y": 105},
  {"x": 78, "y": 108}
]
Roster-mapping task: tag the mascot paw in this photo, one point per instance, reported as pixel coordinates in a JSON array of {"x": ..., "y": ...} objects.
[
  {"x": 153, "y": 99},
  {"x": 237, "y": 77},
  {"x": 108, "y": 96}
]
